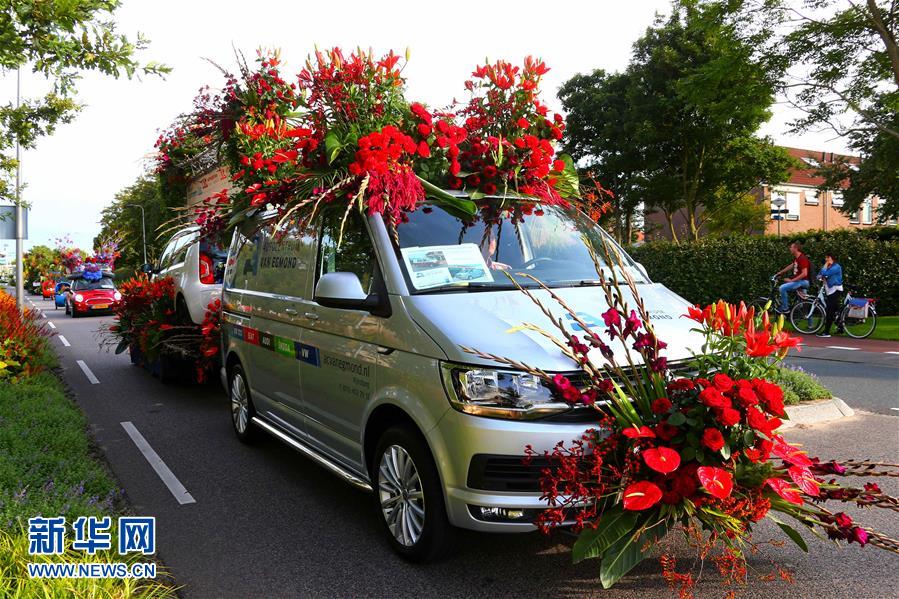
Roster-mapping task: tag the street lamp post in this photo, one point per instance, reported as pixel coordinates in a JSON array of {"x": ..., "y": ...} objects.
[
  {"x": 20, "y": 226},
  {"x": 143, "y": 227},
  {"x": 778, "y": 203}
]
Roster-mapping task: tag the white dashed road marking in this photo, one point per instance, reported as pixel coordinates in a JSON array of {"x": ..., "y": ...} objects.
[
  {"x": 170, "y": 480},
  {"x": 893, "y": 352},
  {"x": 87, "y": 372},
  {"x": 841, "y": 347},
  {"x": 52, "y": 326},
  {"x": 64, "y": 341}
]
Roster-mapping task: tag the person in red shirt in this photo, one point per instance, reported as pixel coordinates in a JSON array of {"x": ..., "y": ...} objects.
[{"x": 801, "y": 275}]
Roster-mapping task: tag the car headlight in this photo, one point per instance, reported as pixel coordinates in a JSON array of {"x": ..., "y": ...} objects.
[
  {"x": 499, "y": 393},
  {"x": 79, "y": 298},
  {"x": 117, "y": 296}
]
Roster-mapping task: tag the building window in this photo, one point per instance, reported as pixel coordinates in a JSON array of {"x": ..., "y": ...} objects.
[
  {"x": 853, "y": 218},
  {"x": 837, "y": 200},
  {"x": 867, "y": 212},
  {"x": 792, "y": 205},
  {"x": 811, "y": 197}
]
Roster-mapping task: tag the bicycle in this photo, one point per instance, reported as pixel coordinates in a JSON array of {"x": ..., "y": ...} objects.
[
  {"x": 857, "y": 317},
  {"x": 763, "y": 303}
]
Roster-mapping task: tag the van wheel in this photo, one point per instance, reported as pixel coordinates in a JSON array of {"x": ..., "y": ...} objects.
[
  {"x": 242, "y": 410},
  {"x": 409, "y": 496}
]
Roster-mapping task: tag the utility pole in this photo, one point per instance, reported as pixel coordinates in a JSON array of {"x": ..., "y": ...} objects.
[
  {"x": 143, "y": 227},
  {"x": 20, "y": 225}
]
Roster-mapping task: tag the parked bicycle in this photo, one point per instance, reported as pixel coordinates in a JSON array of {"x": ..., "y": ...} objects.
[{"x": 857, "y": 316}]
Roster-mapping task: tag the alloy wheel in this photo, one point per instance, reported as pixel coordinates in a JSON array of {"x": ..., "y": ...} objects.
[
  {"x": 239, "y": 404},
  {"x": 401, "y": 496}
]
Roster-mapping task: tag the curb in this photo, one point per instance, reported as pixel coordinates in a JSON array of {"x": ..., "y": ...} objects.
[{"x": 824, "y": 410}]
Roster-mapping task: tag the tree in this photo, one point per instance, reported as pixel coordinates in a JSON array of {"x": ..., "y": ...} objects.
[
  {"x": 677, "y": 130},
  {"x": 844, "y": 76},
  {"x": 123, "y": 220},
  {"x": 38, "y": 262},
  {"x": 58, "y": 40}
]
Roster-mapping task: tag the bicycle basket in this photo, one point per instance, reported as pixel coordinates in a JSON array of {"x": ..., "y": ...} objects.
[{"x": 858, "y": 307}]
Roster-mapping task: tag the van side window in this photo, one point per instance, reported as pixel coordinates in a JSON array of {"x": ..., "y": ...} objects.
[{"x": 351, "y": 253}]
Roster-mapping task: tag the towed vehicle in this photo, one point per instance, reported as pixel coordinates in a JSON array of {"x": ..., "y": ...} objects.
[
  {"x": 346, "y": 340},
  {"x": 61, "y": 294},
  {"x": 92, "y": 295}
]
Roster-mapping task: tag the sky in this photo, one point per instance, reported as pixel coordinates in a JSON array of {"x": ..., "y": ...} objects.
[{"x": 72, "y": 175}]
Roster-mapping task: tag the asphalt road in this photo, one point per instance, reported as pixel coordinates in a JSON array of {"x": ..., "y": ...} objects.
[{"x": 267, "y": 522}]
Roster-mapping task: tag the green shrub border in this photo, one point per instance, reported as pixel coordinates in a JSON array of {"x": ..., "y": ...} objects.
[{"x": 738, "y": 268}]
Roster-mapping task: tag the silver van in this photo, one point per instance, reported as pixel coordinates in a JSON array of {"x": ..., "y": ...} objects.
[{"x": 348, "y": 346}]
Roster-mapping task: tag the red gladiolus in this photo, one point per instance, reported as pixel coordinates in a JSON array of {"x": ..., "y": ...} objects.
[
  {"x": 717, "y": 481},
  {"x": 783, "y": 488},
  {"x": 638, "y": 433},
  {"x": 804, "y": 480},
  {"x": 713, "y": 439},
  {"x": 641, "y": 496},
  {"x": 662, "y": 459}
]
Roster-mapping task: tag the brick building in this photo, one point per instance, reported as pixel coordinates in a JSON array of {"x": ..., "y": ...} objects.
[{"x": 807, "y": 208}]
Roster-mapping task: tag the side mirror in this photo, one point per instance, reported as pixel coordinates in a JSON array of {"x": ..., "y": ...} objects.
[{"x": 344, "y": 290}]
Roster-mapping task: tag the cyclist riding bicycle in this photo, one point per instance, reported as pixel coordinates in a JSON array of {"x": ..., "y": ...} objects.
[
  {"x": 832, "y": 275},
  {"x": 802, "y": 273}
]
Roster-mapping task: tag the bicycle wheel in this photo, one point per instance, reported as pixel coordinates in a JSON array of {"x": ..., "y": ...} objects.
[
  {"x": 859, "y": 328},
  {"x": 807, "y": 317}
]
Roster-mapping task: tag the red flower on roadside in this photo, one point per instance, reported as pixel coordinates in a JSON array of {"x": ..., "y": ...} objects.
[
  {"x": 783, "y": 488},
  {"x": 717, "y": 481},
  {"x": 805, "y": 480},
  {"x": 641, "y": 496},
  {"x": 662, "y": 459}
]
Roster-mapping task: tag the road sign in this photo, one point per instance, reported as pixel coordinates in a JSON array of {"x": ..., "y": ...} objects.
[{"x": 8, "y": 222}]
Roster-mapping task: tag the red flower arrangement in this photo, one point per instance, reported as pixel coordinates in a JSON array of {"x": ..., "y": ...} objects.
[{"x": 702, "y": 454}]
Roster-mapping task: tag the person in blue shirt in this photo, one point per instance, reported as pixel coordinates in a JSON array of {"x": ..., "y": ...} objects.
[{"x": 832, "y": 276}]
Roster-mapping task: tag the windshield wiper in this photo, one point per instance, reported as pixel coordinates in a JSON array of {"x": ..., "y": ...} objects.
[{"x": 472, "y": 287}]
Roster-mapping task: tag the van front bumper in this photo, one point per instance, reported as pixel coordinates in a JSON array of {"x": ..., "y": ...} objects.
[{"x": 487, "y": 485}]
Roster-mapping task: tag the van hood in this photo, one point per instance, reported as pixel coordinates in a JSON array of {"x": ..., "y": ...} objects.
[{"x": 482, "y": 320}]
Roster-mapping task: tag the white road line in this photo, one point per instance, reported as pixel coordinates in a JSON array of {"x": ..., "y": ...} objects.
[
  {"x": 65, "y": 342},
  {"x": 87, "y": 372},
  {"x": 170, "y": 480},
  {"x": 52, "y": 326},
  {"x": 893, "y": 352},
  {"x": 897, "y": 409},
  {"x": 841, "y": 347}
]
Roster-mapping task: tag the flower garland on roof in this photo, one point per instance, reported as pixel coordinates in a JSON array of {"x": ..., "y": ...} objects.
[{"x": 343, "y": 131}]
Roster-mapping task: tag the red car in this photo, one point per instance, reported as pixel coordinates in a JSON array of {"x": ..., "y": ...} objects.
[
  {"x": 48, "y": 287},
  {"x": 92, "y": 297}
]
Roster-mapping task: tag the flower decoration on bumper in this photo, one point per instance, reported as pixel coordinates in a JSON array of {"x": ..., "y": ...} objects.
[{"x": 701, "y": 453}]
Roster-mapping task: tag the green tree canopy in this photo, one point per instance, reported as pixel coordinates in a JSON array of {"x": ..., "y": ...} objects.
[
  {"x": 677, "y": 130},
  {"x": 844, "y": 75},
  {"x": 58, "y": 39},
  {"x": 123, "y": 220}
]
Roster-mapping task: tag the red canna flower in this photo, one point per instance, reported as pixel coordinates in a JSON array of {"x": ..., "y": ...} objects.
[
  {"x": 662, "y": 459},
  {"x": 717, "y": 481},
  {"x": 641, "y": 496}
]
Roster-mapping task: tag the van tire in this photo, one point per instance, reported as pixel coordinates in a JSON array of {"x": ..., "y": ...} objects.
[
  {"x": 437, "y": 534},
  {"x": 237, "y": 384}
]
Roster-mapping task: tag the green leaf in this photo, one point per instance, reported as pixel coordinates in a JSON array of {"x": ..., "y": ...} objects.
[
  {"x": 687, "y": 454},
  {"x": 593, "y": 542},
  {"x": 569, "y": 184},
  {"x": 332, "y": 146},
  {"x": 448, "y": 199},
  {"x": 725, "y": 451},
  {"x": 677, "y": 419},
  {"x": 627, "y": 552},
  {"x": 123, "y": 345},
  {"x": 792, "y": 533}
]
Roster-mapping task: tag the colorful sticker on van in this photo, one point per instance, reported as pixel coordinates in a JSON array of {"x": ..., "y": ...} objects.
[{"x": 280, "y": 345}]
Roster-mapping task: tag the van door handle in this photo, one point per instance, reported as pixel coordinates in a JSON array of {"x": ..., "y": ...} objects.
[
  {"x": 310, "y": 315},
  {"x": 290, "y": 311}
]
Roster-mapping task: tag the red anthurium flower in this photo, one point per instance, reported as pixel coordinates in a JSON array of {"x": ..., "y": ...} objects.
[
  {"x": 641, "y": 496},
  {"x": 804, "y": 480},
  {"x": 717, "y": 481},
  {"x": 789, "y": 453},
  {"x": 662, "y": 459},
  {"x": 638, "y": 433},
  {"x": 783, "y": 488}
]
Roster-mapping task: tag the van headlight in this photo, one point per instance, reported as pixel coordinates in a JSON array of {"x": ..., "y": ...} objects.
[{"x": 499, "y": 393}]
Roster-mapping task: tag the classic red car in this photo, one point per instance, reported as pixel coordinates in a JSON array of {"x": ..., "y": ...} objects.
[{"x": 92, "y": 296}]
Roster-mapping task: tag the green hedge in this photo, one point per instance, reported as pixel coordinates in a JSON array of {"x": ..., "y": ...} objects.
[{"x": 738, "y": 268}]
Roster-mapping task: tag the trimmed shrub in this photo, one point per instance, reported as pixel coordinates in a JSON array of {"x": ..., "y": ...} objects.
[
  {"x": 799, "y": 385},
  {"x": 738, "y": 268}
]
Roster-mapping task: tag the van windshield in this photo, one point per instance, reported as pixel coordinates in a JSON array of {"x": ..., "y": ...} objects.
[{"x": 444, "y": 251}]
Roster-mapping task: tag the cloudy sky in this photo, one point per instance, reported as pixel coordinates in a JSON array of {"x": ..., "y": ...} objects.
[{"x": 72, "y": 175}]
